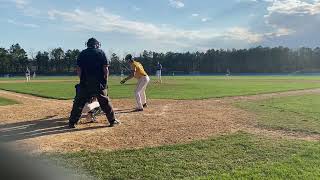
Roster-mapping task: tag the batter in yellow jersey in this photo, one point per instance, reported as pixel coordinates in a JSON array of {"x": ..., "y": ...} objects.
[
  {"x": 139, "y": 72},
  {"x": 143, "y": 80}
]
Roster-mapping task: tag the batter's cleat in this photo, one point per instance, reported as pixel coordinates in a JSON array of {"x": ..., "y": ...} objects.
[
  {"x": 114, "y": 123},
  {"x": 71, "y": 126},
  {"x": 145, "y": 105}
]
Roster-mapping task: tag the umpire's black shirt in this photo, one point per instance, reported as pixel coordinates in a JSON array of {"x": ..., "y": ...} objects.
[{"x": 92, "y": 61}]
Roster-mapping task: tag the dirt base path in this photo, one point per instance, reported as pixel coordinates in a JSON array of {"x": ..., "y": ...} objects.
[{"x": 39, "y": 125}]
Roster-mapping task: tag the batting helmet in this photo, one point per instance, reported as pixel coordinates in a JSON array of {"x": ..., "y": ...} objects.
[{"x": 128, "y": 57}]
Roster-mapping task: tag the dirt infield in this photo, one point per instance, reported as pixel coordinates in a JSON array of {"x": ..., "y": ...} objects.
[{"x": 39, "y": 125}]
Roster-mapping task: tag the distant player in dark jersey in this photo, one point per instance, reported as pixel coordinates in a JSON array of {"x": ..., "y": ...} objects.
[
  {"x": 158, "y": 73},
  {"x": 28, "y": 73}
]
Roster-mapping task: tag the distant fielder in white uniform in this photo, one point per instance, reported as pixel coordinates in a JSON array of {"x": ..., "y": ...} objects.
[{"x": 28, "y": 74}]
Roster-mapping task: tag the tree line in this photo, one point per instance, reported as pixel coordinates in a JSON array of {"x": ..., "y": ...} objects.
[
  {"x": 254, "y": 60},
  {"x": 15, "y": 60}
]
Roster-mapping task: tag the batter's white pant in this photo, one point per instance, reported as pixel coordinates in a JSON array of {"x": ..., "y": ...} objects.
[{"x": 140, "y": 91}]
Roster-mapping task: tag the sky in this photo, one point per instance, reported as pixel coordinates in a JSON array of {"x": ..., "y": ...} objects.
[{"x": 131, "y": 26}]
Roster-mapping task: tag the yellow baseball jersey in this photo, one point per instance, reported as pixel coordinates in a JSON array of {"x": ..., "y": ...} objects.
[{"x": 138, "y": 70}]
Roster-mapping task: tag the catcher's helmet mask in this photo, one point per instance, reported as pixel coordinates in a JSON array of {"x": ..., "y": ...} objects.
[{"x": 93, "y": 43}]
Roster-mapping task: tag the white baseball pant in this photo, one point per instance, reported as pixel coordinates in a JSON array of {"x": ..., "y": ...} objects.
[
  {"x": 140, "y": 91},
  {"x": 158, "y": 73}
]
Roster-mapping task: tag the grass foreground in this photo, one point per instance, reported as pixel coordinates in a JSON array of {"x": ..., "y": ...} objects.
[{"x": 240, "y": 155}]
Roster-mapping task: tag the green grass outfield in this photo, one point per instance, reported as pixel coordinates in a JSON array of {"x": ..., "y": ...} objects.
[
  {"x": 293, "y": 113},
  {"x": 4, "y": 101},
  {"x": 185, "y": 87}
]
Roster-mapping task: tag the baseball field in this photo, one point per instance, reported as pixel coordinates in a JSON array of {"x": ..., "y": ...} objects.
[{"x": 201, "y": 127}]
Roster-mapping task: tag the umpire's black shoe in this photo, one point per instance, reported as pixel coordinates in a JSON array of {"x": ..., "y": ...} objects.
[
  {"x": 114, "y": 123},
  {"x": 145, "y": 105},
  {"x": 71, "y": 126}
]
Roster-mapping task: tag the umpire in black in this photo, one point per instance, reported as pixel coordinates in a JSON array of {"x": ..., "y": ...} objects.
[{"x": 93, "y": 72}]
